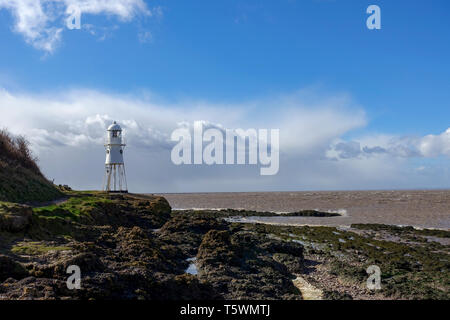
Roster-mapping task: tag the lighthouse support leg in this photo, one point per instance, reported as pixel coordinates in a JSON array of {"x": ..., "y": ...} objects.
[
  {"x": 125, "y": 178},
  {"x": 120, "y": 177},
  {"x": 115, "y": 179},
  {"x": 108, "y": 177}
]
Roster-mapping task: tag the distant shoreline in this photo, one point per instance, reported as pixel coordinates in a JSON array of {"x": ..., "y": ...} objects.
[{"x": 302, "y": 191}]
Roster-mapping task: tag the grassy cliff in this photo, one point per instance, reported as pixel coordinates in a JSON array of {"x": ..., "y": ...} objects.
[{"x": 20, "y": 178}]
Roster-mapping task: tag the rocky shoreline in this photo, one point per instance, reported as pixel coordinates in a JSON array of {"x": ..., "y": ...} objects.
[{"x": 136, "y": 247}]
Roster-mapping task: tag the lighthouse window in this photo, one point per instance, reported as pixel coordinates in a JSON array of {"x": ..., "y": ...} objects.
[
  {"x": 121, "y": 151},
  {"x": 107, "y": 150},
  {"x": 114, "y": 134}
]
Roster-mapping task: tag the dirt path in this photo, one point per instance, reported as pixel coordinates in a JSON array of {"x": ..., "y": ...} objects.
[
  {"x": 49, "y": 203},
  {"x": 309, "y": 292}
]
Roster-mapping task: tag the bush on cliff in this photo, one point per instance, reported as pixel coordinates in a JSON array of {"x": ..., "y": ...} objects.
[{"x": 20, "y": 177}]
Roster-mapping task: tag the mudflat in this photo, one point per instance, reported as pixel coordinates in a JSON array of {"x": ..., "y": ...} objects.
[{"x": 419, "y": 208}]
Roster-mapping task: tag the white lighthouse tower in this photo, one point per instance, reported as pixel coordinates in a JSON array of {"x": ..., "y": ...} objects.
[{"x": 115, "y": 179}]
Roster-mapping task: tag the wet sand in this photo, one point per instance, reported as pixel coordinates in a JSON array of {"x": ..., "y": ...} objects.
[{"x": 419, "y": 208}]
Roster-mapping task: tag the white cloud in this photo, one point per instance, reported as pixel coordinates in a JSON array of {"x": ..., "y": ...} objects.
[
  {"x": 145, "y": 37},
  {"x": 67, "y": 131},
  {"x": 429, "y": 146},
  {"x": 432, "y": 145},
  {"x": 124, "y": 9},
  {"x": 41, "y": 22}
]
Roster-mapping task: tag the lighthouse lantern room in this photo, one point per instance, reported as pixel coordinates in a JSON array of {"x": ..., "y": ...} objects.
[{"x": 115, "y": 179}]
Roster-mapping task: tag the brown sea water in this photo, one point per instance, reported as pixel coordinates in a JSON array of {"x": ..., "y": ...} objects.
[{"x": 419, "y": 208}]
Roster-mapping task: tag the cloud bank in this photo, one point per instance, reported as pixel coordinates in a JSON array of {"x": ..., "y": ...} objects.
[
  {"x": 41, "y": 22},
  {"x": 67, "y": 131},
  {"x": 429, "y": 146}
]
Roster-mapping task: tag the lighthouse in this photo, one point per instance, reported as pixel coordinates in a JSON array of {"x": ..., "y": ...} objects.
[{"x": 115, "y": 179}]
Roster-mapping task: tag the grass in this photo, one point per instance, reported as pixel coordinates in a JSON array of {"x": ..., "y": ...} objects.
[
  {"x": 8, "y": 207},
  {"x": 35, "y": 248},
  {"x": 65, "y": 220},
  {"x": 75, "y": 208},
  {"x": 22, "y": 185}
]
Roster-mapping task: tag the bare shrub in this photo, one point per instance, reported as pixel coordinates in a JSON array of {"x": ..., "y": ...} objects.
[{"x": 16, "y": 149}]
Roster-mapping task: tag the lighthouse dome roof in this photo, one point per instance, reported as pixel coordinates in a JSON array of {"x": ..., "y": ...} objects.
[{"x": 114, "y": 127}]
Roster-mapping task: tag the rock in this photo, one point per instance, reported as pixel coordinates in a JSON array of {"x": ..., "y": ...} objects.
[
  {"x": 183, "y": 287},
  {"x": 121, "y": 257},
  {"x": 336, "y": 295},
  {"x": 216, "y": 245},
  {"x": 293, "y": 264},
  {"x": 292, "y": 248},
  {"x": 15, "y": 217},
  {"x": 186, "y": 231},
  {"x": 160, "y": 206},
  {"x": 240, "y": 266},
  {"x": 11, "y": 269},
  {"x": 87, "y": 262},
  {"x": 32, "y": 288}
]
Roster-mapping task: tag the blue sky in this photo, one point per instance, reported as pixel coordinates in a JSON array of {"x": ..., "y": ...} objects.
[{"x": 239, "y": 53}]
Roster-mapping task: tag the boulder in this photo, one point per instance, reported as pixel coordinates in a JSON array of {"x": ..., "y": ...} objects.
[
  {"x": 11, "y": 269},
  {"x": 87, "y": 262},
  {"x": 15, "y": 217}
]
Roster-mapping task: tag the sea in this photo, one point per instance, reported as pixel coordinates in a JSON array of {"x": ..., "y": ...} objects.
[{"x": 417, "y": 208}]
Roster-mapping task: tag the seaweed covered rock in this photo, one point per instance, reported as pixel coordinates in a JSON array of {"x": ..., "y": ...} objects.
[
  {"x": 32, "y": 288},
  {"x": 187, "y": 230},
  {"x": 216, "y": 248},
  {"x": 239, "y": 265},
  {"x": 14, "y": 217},
  {"x": 182, "y": 287},
  {"x": 160, "y": 206},
  {"x": 133, "y": 247},
  {"x": 87, "y": 262},
  {"x": 11, "y": 269},
  {"x": 294, "y": 264}
]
